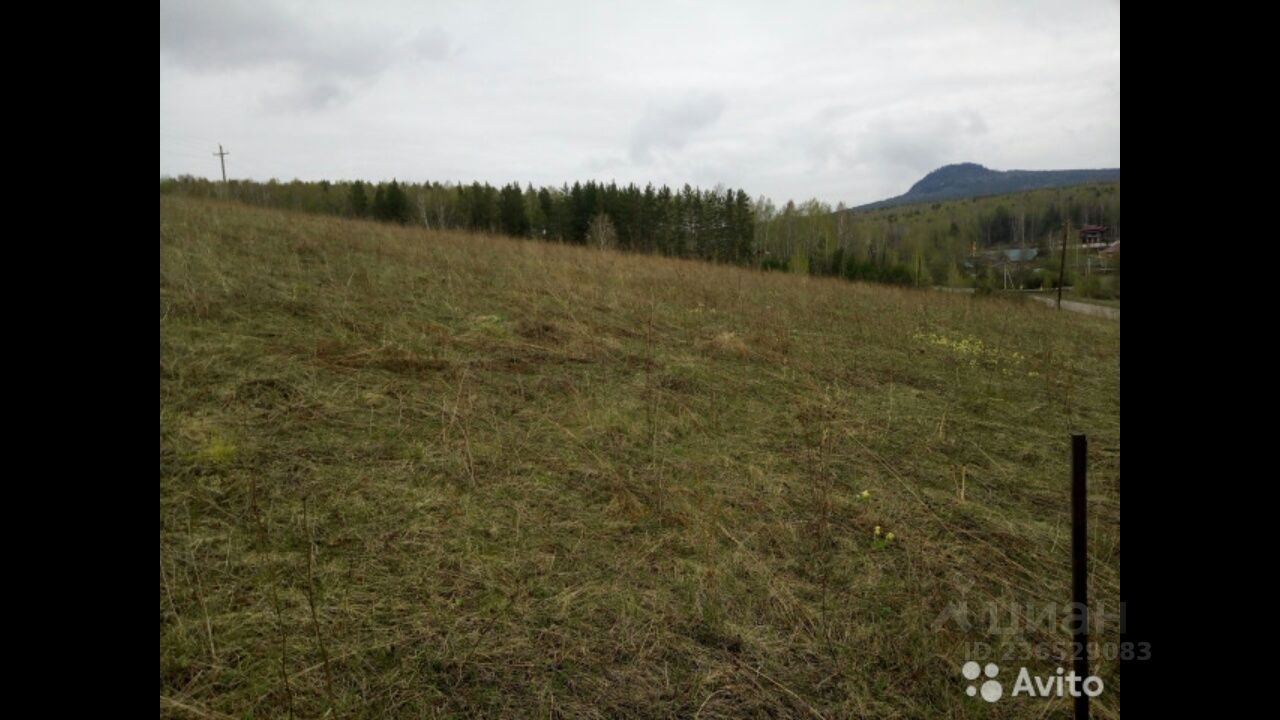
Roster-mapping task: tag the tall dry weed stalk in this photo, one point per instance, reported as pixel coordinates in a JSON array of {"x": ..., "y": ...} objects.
[{"x": 311, "y": 601}]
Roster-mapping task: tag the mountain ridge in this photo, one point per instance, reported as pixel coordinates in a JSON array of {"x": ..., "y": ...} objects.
[{"x": 960, "y": 181}]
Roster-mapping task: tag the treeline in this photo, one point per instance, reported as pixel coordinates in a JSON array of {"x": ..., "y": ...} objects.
[
  {"x": 716, "y": 224},
  {"x": 926, "y": 244}
]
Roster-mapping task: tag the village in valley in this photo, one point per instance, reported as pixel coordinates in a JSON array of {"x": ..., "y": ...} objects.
[{"x": 1094, "y": 252}]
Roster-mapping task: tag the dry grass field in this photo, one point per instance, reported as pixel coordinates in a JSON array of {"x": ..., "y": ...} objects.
[{"x": 426, "y": 474}]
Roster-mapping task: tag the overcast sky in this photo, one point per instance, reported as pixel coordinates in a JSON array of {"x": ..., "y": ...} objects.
[{"x": 842, "y": 101}]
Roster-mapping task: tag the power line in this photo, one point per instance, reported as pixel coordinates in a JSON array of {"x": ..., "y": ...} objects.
[
  {"x": 184, "y": 152},
  {"x": 172, "y": 146},
  {"x": 187, "y": 136}
]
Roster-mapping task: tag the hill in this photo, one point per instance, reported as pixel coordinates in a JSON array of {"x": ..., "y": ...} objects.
[
  {"x": 966, "y": 180},
  {"x": 412, "y": 473}
]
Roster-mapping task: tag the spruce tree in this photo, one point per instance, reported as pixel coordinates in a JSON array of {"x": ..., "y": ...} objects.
[
  {"x": 357, "y": 200},
  {"x": 379, "y": 204},
  {"x": 395, "y": 204}
]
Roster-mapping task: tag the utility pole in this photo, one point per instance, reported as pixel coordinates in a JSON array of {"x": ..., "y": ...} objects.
[
  {"x": 222, "y": 157},
  {"x": 1080, "y": 565},
  {"x": 1062, "y": 271}
]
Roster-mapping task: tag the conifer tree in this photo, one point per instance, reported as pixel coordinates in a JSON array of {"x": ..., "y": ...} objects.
[{"x": 357, "y": 201}]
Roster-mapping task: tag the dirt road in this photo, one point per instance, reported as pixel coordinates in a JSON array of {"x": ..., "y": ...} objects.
[{"x": 1087, "y": 308}]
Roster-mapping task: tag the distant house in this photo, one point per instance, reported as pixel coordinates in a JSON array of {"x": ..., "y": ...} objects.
[
  {"x": 1012, "y": 261},
  {"x": 1092, "y": 236},
  {"x": 1000, "y": 256}
]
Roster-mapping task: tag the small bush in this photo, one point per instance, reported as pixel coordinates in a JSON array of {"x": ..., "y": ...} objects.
[
  {"x": 1098, "y": 287},
  {"x": 1090, "y": 287},
  {"x": 1052, "y": 280}
]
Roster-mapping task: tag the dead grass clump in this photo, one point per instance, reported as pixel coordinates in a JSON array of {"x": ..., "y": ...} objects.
[
  {"x": 264, "y": 393},
  {"x": 728, "y": 343},
  {"x": 536, "y": 330}
]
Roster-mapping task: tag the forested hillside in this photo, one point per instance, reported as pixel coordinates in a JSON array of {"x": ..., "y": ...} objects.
[
  {"x": 924, "y": 244},
  {"x": 965, "y": 180},
  {"x": 712, "y": 224}
]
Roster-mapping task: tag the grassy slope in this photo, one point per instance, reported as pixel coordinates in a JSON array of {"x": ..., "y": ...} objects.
[{"x": 544, "y": 480}]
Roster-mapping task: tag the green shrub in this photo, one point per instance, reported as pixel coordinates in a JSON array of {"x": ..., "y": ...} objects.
[
  {"x": 1097, "y": 286},
  {"x": 1052, "y": 280}
]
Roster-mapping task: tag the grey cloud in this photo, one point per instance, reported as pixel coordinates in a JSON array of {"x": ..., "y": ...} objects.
[
  {"x": 918, "y": 142},
  {"x": 831, "y": 113},
  {"x": 972, "y": 123},
  {"x": 603, "y": 164},
  {"x": 327, "y": 60},
  {"x": 845, "y": 101},
  {"x": 894, "y": 147},
  {"x": 228, "y": 35},
  {"x": 205, "y": 36},
  {"x": 671, "y": 124},
  {"x": 434, "y": 45},
  {"x": 316, "y": 95},
  {"x": 824, "y": 150}
]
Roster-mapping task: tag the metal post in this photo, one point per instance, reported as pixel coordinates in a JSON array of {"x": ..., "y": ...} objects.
[{"x": 1079, "y": 567}]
